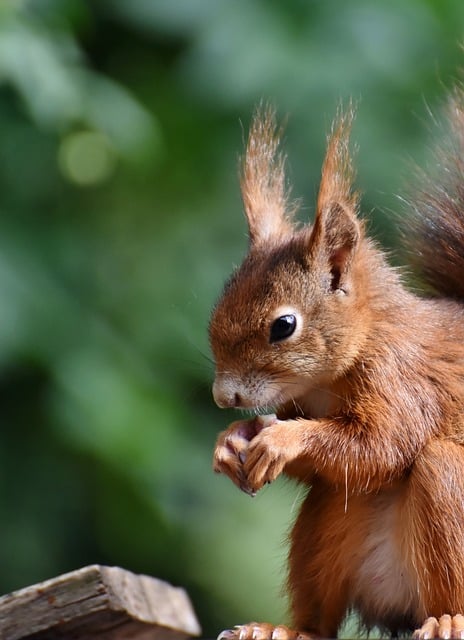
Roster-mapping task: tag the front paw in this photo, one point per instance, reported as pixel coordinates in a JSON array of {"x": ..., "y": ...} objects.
[
  {"x": 231, "y": 449},
  {"x": 270, "y": 451}
]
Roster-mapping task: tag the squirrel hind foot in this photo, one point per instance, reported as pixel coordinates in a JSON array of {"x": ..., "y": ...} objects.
[
  {"x": 264, "y": 631},
  {"x": 444, "y": 628}
]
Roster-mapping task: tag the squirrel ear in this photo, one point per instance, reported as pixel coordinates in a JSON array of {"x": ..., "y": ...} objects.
[
  {"x": 337, "y": 231},
  {"x": 334, "y": 239},
  {"x": 263, "y": 184}
]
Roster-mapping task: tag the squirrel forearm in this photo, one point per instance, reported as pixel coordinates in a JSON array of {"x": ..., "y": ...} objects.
[{"x": 339, "y": 450}]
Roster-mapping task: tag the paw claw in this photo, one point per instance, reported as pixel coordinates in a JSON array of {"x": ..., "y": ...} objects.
[
  {"x": 227, "y": 634},
  {"x": 279, "y": 633},
  {"x": 248, "y": 490},
  {"x": 444, "y": 628}
]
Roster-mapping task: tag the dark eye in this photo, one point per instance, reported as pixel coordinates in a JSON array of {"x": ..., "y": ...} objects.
[{"x": 282, "y": 328}]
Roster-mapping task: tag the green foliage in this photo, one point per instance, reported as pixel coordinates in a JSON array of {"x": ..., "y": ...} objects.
[{"x": 119, "y": 220}]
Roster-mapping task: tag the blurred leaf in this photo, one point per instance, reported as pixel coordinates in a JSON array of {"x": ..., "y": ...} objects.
[{"x": 48, "y": 71}]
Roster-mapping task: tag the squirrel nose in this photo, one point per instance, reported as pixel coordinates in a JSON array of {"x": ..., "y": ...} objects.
[{"x": 225, "y": 396}]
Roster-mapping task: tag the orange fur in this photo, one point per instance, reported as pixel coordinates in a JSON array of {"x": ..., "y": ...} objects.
[
  {"x": 264, "y": 192},
  {"x": 367, "y": 386}
]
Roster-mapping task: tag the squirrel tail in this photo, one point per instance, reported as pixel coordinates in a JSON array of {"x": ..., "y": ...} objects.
[{"x": 435, "y": 226}]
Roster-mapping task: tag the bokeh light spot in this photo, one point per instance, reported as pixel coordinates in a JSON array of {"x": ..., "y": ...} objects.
[{"x": 87, "y": 158}]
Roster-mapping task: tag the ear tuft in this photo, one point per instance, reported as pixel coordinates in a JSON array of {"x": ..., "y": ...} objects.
[
  {"x": 263, "y": 183},
  {"x": 337, "y": 231},
  {"x": 338, "y": 171}
]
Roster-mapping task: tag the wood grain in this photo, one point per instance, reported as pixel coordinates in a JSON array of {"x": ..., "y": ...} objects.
[{"x": 98, "y": 602}]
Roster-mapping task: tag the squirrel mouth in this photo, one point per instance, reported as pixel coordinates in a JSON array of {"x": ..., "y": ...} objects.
[{"x": 286, "y": 411}]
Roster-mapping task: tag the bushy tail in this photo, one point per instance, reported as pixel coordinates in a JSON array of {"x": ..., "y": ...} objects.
[{"x": 435, "y": 226}]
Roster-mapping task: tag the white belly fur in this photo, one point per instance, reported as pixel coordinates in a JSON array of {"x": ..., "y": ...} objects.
[{"x": 384, "y": 588}]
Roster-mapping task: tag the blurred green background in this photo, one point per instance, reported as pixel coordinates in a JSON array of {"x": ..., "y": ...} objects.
[{"x": 121, "y": 122}]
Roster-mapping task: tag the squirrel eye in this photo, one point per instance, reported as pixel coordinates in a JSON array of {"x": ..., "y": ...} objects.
[{"x": 282, "y": 328}]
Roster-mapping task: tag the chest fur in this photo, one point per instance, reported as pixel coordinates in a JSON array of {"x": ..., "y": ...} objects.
[
  {"x": 383, "y": 585},
  {"x": 355, "y": 544}
]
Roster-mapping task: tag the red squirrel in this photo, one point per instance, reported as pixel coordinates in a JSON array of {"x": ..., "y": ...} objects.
[{"x": 357, "y": 386}]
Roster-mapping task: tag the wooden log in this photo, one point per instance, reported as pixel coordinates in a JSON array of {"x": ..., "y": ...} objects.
[{"x": 98, "y": 602}]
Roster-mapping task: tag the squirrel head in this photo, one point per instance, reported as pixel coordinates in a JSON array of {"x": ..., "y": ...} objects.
[{"x": 288, "y": 319}]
